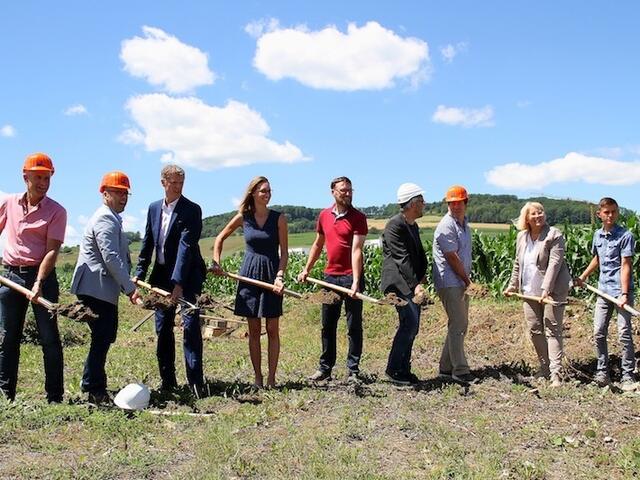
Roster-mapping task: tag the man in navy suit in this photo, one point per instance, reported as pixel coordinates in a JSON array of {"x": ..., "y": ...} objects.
[{"x": 173, "y": 229}]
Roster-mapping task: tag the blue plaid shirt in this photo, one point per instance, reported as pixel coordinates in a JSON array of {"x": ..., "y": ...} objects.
[{"x": 611, "y": 247}]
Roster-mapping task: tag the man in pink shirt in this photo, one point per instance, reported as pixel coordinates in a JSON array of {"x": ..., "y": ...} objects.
[{"x": 35, "y": 227}]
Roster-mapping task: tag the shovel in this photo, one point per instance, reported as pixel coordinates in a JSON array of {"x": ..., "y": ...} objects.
[
  {"x": 611, "y": 299},
  {"x": 75, "y": 311},
  {"x": 261, "y": 284},
  {"x": 388, "y": 300},
  {"x": 533, "y": 298},
  {"x": 164, "y": 293}
]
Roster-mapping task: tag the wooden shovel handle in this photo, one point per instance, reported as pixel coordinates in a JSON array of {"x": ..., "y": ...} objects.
[
  {"x": 613, "y": 300},
  {"x": 26, "y": 292},
  {"x": 148, "y": 286},
  {"x": 537, "y": 299},
  {"x": 261, "y": 284},
  {"x": 338, "y": 288}
]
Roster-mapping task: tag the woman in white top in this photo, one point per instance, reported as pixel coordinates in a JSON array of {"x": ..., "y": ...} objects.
[{"x": 540, "y": 270}]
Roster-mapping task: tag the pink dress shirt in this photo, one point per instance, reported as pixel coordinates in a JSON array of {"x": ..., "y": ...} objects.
[{"x": 27, "y": 235}]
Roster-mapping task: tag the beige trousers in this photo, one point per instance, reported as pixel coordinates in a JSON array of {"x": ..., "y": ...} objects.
[
  {"x": 545, "y": 330},
  {"x": 456, "y": 303}
]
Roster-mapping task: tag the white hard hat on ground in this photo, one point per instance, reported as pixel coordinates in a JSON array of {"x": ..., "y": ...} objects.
[
  {"x": 134, "y": 396},
  {"x": 407, "y": 191}
]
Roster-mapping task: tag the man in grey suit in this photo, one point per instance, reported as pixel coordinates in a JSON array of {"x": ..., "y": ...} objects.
[{"x": 102, "y": 272}]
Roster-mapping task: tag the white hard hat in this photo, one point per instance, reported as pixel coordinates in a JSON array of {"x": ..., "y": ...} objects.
[
  {"x": 134, "y": 396},
  {"x": 407, "y": 191}
]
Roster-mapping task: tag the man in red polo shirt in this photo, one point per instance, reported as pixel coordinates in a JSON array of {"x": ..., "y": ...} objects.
[
  {"x": 35, "y": 227},
  {"x": 343, "y": 230}
]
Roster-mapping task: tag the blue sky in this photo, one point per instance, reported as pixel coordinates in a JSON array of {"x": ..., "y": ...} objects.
[{"x": 503, "y": 97}]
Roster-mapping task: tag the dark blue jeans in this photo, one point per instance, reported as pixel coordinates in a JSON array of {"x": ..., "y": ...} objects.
[
  {"x": 408, "y": 326},
  {"x": 192, "y": 345},
  {"x": 191, "y": 335},
  {"x": 330, "y": 317},
  {"x": 13, "y": 310},
  {"x": 103, "y": 334}
]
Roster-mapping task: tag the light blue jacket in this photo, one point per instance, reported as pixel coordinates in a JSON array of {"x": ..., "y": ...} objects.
[{"x": 104, "y": 262}]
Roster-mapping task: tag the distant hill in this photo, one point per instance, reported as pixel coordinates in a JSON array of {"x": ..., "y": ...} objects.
[{"x": 483, "y": 208}]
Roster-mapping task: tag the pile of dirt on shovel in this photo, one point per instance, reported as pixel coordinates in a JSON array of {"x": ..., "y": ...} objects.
[
  {"x": 153, "y": 301},
  {"x": 322, "y": 296},
  {"x": 76, "y": 311}
]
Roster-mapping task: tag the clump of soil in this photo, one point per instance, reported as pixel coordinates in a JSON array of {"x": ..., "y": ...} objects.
[
  {"x": 153, "y": 301},
  {"x": 422, "y": 300},
  {"x": 209, "y": 302},
  {"x": 392, "y": 299},
  {"x": 323, "y": 296},
  {"x": 75, "y": 311},
  {"x": 477, "y": 290}
]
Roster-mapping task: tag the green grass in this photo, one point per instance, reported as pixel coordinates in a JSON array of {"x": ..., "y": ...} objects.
[{"x": 500, "y": 428}]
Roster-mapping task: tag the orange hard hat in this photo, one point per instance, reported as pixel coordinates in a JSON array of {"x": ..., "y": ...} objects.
[
  {"x": 38, "y": 162},
  {"x": 115, "y": 179},
  {"x": 457, "y": 193}
]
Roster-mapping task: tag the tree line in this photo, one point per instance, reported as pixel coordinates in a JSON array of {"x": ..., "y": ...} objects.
[{"x": 483, "y": 208}]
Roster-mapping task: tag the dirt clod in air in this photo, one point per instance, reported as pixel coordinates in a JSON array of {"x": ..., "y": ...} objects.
[
  {"x": 392, "y": 299},
  {"x": 477, "y": 290},
  {"x": 323, "y": 296},
  {"x": 76, "y": 311}
]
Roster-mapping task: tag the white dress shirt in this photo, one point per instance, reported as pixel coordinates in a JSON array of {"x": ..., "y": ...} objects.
[
  {"x": 167, "y": 211},
  {"x": 531, "y": 276}
]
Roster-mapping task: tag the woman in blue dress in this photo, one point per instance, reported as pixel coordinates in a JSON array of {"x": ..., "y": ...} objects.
[{"x": 265, "y": 258}]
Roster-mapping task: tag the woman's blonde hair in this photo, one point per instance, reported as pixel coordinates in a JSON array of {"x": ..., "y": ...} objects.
[
  {"x": 522, "y": 224},
  {"x": 247, "y": 204}
]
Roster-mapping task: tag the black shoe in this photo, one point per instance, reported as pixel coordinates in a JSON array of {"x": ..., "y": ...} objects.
[
  {"x": 464, "y": 378},
  {"x": 413, "y": 378},
  {"x": 198, "y": 390},
  {"x": 320, "y": 375},
  {"x": 398, "y": 378},
  {"x": 168, "y": 386},
  {"x": 353, "y": 377},
  {"x": 442, "y": 374},
  {"x": 99, "y": 398}
]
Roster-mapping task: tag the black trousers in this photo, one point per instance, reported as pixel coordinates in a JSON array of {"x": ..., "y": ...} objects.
[{"x": 330, "y": 317}]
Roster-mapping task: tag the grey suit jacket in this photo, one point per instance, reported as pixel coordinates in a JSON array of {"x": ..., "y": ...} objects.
[
  {"x": 550, "y": 262},
  {"x": 104, "y": 262}
]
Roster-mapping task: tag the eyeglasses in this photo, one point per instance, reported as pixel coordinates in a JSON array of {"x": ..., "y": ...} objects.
[
  {"x": 264, "y": 190},
  {"x": 118, "y": 192}
]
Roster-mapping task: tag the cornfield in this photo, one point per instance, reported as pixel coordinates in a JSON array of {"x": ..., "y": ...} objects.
[{"x": 492, "y": 261}]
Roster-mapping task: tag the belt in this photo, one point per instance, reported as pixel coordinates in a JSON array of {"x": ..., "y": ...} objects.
[{"x": 22, "y": 268}]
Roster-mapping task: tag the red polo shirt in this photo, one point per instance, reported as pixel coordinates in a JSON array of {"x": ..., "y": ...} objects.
[{"x": 338, "y": 231}]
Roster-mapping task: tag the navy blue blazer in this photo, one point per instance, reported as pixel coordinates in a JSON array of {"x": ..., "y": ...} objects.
[{"x": 184, "y": 264}]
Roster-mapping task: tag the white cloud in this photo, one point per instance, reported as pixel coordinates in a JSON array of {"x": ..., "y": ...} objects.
[
  {"x": 8, "y": 131},
  {"x": 235, "y": 201},
  {"x": 83, "y": 219},
  {"x": 77, "y": 109},
  {"x": 573, "y": 167},
  {"x": 523, "y": 103},
  {"x": 166, "y": 62},
  {"x": 258, "y": 28},
  {"x": 131, "y": 223},
  {"x": 364, "y": 58},
  {"x": 450, "y": 51},
  {"x": 466, "y": 117},
  {"x": 194, "y": 134},
  {"x": 72, "y": 236}
]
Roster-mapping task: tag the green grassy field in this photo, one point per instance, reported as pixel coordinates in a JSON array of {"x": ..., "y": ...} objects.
[{"x": 503, "y": 427}]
